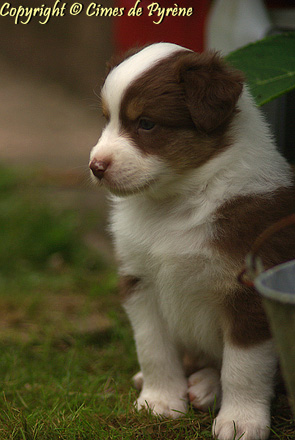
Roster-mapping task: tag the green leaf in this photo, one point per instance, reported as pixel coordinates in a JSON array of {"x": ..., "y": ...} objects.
[{"x": 269, "y": 66}]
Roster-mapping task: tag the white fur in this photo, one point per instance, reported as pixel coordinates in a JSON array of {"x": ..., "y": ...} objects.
[
  {"x": 204, "y": 389},
  {"x": 129, "y": 70},
  {"x": 130, "y": 170},
  {"x": 162, "y": 235},
  {"x": 164, "y": 387},
  {"x": 247, "y": 382}
]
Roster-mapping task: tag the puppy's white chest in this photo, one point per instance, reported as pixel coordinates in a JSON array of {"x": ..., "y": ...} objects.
[
  {"x": 148, "y": 236},
  {"x": 187, "y": 300},
  {"x": 177, "y": 263}
]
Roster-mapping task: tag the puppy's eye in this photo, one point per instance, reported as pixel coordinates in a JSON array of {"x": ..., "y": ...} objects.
[{"x": 146, "y": 124}]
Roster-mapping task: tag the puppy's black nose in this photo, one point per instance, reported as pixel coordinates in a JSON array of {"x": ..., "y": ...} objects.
[{"x": 98, "y": 167}]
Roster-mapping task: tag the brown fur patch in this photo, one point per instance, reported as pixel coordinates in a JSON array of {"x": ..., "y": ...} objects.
[
  {"x": 127, "y": 285},
  {"x": 243, "y": 318},
  {"x": 212, "y": 89},
  {"x": 173, "y": 94},
  {"x": 134, "y": 109},
  {"x": 239, "y": 222}
]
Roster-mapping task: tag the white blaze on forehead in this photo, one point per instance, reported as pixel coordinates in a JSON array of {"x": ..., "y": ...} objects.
[{"x": 125, "y": 73}]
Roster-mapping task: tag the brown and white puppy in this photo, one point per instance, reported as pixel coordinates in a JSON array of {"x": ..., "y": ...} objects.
[{"x": 195, "y": 177}]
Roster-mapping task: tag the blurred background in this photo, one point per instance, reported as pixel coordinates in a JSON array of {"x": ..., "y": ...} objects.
[
  {"x": 50, "y": 78},
  {"x": 66, "y": 349}
]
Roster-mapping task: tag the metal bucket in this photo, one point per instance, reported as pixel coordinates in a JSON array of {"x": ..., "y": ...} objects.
[{"x": 277, "y": 288}]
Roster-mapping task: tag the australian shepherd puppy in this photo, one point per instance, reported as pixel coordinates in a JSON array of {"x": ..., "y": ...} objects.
[{"x": 195, "y": 177}]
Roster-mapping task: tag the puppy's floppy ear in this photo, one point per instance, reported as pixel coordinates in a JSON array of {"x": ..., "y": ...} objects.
[{"x": 211, "y": 87}]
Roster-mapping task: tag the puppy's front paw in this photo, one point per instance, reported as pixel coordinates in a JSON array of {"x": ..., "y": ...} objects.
[
  {"x": 240, "y": 428},
  {"x": 204, "y": 389},
  {"x": 162, "y": 404}
]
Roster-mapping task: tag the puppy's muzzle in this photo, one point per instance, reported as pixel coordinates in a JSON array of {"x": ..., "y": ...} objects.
[{"x": 98, "y": 168}]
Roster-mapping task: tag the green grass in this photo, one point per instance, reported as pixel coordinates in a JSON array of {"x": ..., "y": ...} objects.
[{"x": 66, "y": 347}]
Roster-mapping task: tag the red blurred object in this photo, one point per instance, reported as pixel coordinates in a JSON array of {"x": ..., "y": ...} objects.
[{"x": 187, "y": 31}]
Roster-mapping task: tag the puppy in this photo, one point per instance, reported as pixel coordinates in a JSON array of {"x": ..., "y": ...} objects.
[{"x": 195, "y": 177}]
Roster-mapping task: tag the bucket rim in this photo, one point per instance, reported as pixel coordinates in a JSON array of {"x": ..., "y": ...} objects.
[{"x": 269, "y": 293}]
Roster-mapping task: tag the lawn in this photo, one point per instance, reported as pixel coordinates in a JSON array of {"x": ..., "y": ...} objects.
[{"x": 66, "y": 347}]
